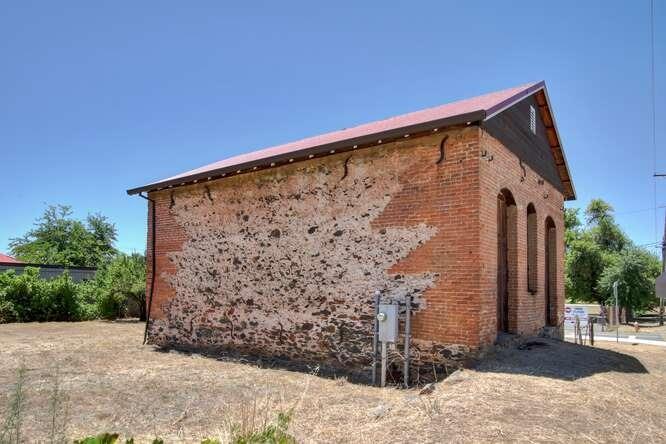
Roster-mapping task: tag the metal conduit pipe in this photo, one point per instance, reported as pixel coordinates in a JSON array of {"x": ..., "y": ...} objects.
[
  {"x": 152, "y": 262},
  {"x": 408, "y": 335},
  {"x": 375, "y": 339}
]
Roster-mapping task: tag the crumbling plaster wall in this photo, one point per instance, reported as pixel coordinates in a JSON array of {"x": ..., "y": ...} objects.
[{"x": 284, "y": 262}]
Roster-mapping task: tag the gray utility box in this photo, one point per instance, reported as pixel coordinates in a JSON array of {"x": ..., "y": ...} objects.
[
  {"x": 660, "y": 286},
  {"x": 387, "y": 319}
]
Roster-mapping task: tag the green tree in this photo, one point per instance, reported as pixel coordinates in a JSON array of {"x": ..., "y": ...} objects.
[
  {"x": 635, "y": 270},
  {"x": 123, "y": 283},
  {"x": 590, "y": 249},
  {"x": 598, "y": 210},
  {"x": 600, "y": 253},
  {"x": 572, "y": 226},
  {"x": 603, "y": 228},
  {"x": 585, "y": 263},
  {"x": 57, "y": 238}
]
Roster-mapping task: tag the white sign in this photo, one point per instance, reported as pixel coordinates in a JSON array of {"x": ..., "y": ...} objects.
[
  {"x": 570, "y": 314},
  {"x": 660, "y": 286}
]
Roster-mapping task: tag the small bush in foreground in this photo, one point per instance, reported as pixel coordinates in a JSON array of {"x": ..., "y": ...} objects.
[
  {"x": 110, "y": 438},
  {"x": 273, "y": 433},
  {"x": 253, "y": 429},
  {"x": 276, "y": 433},
  {"x": 102, "y": 438}
]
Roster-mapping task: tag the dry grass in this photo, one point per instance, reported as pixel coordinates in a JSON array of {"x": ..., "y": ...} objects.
[{"x": 545, "y": 393}]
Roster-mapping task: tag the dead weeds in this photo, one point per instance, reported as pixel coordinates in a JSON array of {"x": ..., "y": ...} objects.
[{"x": 555, "y": 392}]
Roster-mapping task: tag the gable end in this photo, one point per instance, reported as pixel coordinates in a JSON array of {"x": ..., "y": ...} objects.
[{"x": 533, "y": 141}]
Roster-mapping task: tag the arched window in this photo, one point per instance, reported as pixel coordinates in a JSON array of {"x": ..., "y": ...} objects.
[
  {"x": 550, "y": 268},
  {"x": 532, "y": 280},
  {"x": 506, "y": 261}
]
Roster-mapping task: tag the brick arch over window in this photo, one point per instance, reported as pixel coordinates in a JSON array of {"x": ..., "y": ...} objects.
[
  {"x": 532, "y": 279},
  {"x": 550, "y": 268},
  {"x": 506, "y": 262}
]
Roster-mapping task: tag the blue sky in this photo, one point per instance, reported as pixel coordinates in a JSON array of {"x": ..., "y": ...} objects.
[{"x": 98, "y": 97}]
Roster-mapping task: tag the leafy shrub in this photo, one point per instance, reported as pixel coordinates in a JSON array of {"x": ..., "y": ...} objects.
[
  {"x": 56, "y": 299},
  {"x": 7, "y": 311},
  {"x": 27, "y": 297},
  {"x": 123, "y": 283},
  {"x": 110, "y": 305},
  {"x": 22, "y": 291},
  {"x": 88, "y": 299},
  {"x": 118, "y": 286}
]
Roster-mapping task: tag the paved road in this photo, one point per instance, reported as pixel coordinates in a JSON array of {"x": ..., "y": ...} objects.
[{"x": 611, "y": 334}]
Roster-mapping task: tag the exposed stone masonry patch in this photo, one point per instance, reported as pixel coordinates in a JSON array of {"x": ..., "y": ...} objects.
[{"x": 284, "y": 263}]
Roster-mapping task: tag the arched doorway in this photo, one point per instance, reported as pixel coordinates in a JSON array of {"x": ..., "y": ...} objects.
[
  {"x": 505, "y": 214},
  {"x": 550, "y": 267}
]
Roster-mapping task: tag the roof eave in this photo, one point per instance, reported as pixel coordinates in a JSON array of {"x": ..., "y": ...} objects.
[
  {"x": 559, "y": 138},
  {"x": 508, "y": 103},
  {"x": 341, "y": 145}
]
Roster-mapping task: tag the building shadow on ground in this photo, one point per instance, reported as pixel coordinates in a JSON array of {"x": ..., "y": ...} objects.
[
  {"x": 559, "y": 360},
  {"x": 123, "y": 321},
  {"x": 268, "y": 362},
  {"x": 535, "y": 357}
]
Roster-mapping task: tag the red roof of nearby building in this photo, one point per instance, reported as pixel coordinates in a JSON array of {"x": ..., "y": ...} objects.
[
  {"x": 8, "y": 259},
  {"x": 475, "y": 109}
]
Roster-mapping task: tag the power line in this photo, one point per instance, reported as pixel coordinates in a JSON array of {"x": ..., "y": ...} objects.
[
  {"x": 654, "y": 120},
  {"x": 621, "y": 213},
  {"x": 639, "y": 211},
  {"x": 650, "y": 244}
]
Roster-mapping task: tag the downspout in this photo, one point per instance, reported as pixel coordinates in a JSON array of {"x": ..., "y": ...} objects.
[{"x": 152, "y": 262}]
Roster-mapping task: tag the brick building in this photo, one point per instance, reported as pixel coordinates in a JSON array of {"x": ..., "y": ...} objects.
[{"x": 278, "y": 253}]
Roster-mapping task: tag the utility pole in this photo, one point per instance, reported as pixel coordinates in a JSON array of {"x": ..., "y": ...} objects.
[
  {"x": 663, "y": 260},
  {"x": 663, "y": 247},
  {"x": 663, "y": 269},
  {"x": 617, "y": 311}
]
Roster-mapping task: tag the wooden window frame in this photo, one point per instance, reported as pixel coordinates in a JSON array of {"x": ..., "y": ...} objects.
[{"x": 532, "y": 253}]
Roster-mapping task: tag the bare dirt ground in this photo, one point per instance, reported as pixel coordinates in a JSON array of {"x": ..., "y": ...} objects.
[{"x": 553, "y": 392}]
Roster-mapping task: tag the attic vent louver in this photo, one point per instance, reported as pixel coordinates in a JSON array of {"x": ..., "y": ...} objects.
[{"x": 532, "y": 119}]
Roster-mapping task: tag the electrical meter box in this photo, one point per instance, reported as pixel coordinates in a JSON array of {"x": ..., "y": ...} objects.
[{"x": 387, "y": 319}]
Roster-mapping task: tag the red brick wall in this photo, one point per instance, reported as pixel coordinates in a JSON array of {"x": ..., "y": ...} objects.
[
  {"x": 501, "y": 169},
  {"x": 170, "y": 238},
  {"x": 448, "y": 207},
  {"x": 446, "y": 196}
]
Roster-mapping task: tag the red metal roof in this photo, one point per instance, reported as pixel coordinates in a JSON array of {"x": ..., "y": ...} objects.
[
  {"x": 8, "y": 259},
  {"x": 473, "y": 109}
]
